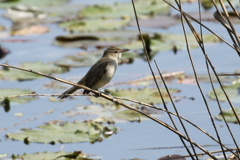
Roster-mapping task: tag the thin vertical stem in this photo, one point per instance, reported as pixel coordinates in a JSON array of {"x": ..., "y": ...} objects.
[
  {"x": 194, "y": 70},
  {"x": 148, "y": 60}
]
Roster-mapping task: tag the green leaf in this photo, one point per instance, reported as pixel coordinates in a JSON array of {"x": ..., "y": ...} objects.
[
  {"x": 129, "y": 115},
  {"x": 205, "y": 78},
  {"x": 75, "y": 40},
  {"x": 58, "y": 132},
  {"x": 233, "y": 92},
  {"x": 206, "y": 4},
  {"x": 46, "y": 68},
  {"x": 3, "y": 156},
  {"x": 229, "y": 115},
  {"x": 99, "y": 39},
  {"x": 11, "y": 3},
  {"x": 117, "y": 10},
  {"x": 165, "y": 42},
  {"x": 77, "y": 155},
  {"x": 15, "y": 92},
  {"x": 93, "y": 25},
  {"x": 107, "y": 113},
  {"x": 148, "y": 95}
]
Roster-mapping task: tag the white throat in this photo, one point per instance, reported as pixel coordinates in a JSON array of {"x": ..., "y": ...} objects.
[{"x": 119, "y": 56}]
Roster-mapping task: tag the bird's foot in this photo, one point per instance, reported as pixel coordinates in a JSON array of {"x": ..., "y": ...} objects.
[{"x": 100, "y": 92}]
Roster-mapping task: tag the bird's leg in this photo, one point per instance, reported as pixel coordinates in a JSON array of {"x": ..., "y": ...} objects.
[{"x": 97, "y": 94}]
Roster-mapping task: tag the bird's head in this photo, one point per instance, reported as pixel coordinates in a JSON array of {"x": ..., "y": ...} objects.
[{"x": 114, "y": 52}]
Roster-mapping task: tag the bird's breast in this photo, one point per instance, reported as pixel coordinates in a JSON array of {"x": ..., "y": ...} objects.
[
  {"x": 107, "y": 75},
  {"x": 110, "y": 70}
]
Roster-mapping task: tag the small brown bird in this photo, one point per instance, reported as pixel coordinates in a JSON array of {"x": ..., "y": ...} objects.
[{"x": 101, "y": 72}]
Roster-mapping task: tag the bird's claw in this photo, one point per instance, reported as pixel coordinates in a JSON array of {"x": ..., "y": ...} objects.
[
  {"x": 97, "y": 94},
  {"x": 100, "y": 92}
]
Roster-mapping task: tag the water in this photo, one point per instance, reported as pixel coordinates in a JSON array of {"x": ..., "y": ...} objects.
[{"x": 132, "y": 137}]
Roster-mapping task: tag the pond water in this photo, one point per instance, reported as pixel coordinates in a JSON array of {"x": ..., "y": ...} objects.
[{"x": 144, "y": 140}]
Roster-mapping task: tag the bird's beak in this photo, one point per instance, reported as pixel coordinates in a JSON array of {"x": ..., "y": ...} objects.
[{"x": 125, "y": 50}]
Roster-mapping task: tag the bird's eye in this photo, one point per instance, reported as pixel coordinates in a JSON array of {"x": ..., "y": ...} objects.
[{"x": 115, "y": 51}]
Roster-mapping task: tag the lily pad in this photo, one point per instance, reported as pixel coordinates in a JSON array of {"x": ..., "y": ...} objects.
[
  {"x": 93, "y": 25},
  {"x": 46, "y": 68},
  {"x": 31, "y": 30},
  {"x": 77, "y": 155},
  {"x": 117, "y": 10},
  {"x": 55, "y": 85},
  {"x": 156, "y": 22},
  {"x": 11, "y": 3},
  {"x": 65, "y": 132},
  {"x": 105, "y": 113},
  {"x": 229, "y": 115},
  {"x": 75, "y": 40},
  {"x": 190, "y": 79},
  {"x": 233, "y": 92},
  {"x": 147, "y": 95},
  {"x": 24, "y": 14},
  {"x": 99, "y": 39},
  {"x": 10, "y": 92},
  {"x": 208, "y": 4},
  {"x": 165, "y": 42},
  {"x": 129, "y": 115}
]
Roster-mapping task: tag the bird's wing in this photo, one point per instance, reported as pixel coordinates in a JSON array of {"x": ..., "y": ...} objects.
[{"x": 95, "y": 73}]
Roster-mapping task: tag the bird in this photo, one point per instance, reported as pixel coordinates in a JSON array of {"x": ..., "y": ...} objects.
[{"x": 100, "y": 73}]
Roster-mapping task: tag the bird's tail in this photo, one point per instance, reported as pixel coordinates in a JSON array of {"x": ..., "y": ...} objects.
[{"x": 69, "y": 91}]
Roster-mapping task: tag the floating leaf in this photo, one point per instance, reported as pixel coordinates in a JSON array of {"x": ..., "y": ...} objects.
[
  {"x": 11, "y": 92},
  {"x": 233, "y": 92},
  {"x": 156, "y": 22},
  {"x": 19, "y": 115},
  {"x": 229, "y": 115},
  {"x": 83, "y": 40},
  {"x": 99, "y": 39},
  {"x": 3, "y": 155},
  {"x": 11, "y": 3},
  {"x": 206, "y": 4},
  {"x": 190, "y": 79},
  {"x": 173, "y": 157},
  {"x": 93, "y": 25},
  {"x": 75, "y": 40},
  {"x": 77, "y": 155},
  {"x": 165, "y": 42},
  {"x": 46, "y": 68},
  {"x": 54, "y": 85},
  {"x": 71, "y": 38},
  {"x": 31, "y": 30},
  {"x": 148, "y": 95},
  {"x": 128, "y": 115},
  {"x": 105, "y": 113},
  {"x": 144, "y": 8},
  {"x": 24, "y": 14},
  {"x": 64, "y": 132},
  {"x": 149, "y": 80}
]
